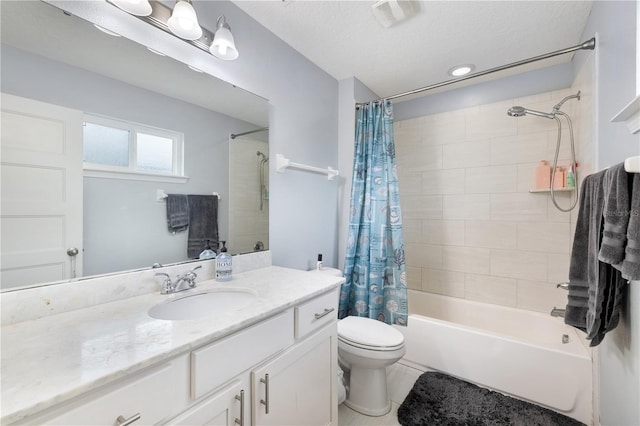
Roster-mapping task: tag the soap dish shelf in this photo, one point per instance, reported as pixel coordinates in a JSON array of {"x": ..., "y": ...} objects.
[{"x": 546, "y": 190}]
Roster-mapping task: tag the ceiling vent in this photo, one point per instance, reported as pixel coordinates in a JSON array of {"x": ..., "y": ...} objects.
[{"x": 390, "y": 12}]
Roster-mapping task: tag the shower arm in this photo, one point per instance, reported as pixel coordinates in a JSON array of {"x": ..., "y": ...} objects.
[{"x": 557, "y": 106}]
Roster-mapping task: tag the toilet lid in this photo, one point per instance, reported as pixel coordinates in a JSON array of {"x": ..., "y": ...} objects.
[{"x": 369, "y": 332}]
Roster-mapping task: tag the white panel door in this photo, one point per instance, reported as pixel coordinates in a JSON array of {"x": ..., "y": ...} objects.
[{"x": 41, "y": 184}]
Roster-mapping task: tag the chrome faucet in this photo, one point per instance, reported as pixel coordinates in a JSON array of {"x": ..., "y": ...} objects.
[
  {"x": 555, "y": 312},
  {"x": 183, "y": 282}
]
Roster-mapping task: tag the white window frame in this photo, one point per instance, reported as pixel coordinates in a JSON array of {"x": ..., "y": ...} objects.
[{"x": 130, "y": 172}]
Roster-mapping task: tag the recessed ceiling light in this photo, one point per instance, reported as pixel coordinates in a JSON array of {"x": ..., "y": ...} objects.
[
  {"x": 106, "y": 31},
  {"x": 460, "y": 70}
]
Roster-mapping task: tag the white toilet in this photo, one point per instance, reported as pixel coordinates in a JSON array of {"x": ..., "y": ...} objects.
[{"x": 365, "y": 348}]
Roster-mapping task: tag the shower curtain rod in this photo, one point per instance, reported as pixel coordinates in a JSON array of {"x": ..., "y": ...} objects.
[
  {"x": 235, "y": 135},
  {"x": 587, "y": 45}
]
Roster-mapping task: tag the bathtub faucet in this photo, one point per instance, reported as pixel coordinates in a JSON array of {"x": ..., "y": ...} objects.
[{"x": 555, "y": 312}]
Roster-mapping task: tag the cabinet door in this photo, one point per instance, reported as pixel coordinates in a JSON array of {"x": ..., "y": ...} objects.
[
  {"x": 228, "y": 407},
  {"x": 298, "y": 386}
]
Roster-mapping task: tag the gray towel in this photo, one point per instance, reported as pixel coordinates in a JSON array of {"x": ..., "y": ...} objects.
[
  {"x": 203, "y": 223},
  {"x": 631, "y": 263},
  {"x": 584, "y": 265},
  {"x": 616, "y": 215},
  {"x": 597, "y": 283},
  {"x": 177, "y": 212}
]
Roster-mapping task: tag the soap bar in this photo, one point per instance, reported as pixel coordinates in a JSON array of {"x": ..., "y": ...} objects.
[{"x": 543, "y": 175}]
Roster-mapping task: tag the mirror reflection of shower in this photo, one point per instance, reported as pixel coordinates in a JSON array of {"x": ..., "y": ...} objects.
[
  {"x": 518, "y": 111},
  {"x": 264, "y": 191},
  {"x": 249, "y": 190}
]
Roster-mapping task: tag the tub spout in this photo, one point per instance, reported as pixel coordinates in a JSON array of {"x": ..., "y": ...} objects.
[{"x": 555, "y": 312}]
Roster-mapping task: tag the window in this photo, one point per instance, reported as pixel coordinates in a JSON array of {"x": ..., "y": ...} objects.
[{"x": 122, "y": 149}]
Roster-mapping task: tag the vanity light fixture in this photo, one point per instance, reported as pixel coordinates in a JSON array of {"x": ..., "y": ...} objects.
[
  {"x": 460, "y": 70},
  {"x": 134, "y": 7},
  {"x": 223, "y": 46},
  {"x": 182, "y": 22}
]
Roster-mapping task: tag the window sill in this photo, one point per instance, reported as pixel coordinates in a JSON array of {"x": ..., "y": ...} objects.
[{"x": 150, "y": 177}]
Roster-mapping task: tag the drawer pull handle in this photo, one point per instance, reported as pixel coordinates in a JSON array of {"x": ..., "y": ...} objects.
[
  {"x": 265, "y": 401},
  {"x": 121, "y": 421},
  {"x": 241, "y": 399},
  {"x": 325, "y": 313}
]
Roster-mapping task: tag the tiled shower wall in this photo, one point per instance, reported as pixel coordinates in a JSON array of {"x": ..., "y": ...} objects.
[
  {"x": 248, "y": 223},
  {"x": 472, "y": 230}
]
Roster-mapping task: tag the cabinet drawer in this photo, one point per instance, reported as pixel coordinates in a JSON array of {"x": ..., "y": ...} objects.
[
  {"x": 148, "y": 395},
  {"x": 217, "y": 363},
  {"x": 315, "y": 313}
]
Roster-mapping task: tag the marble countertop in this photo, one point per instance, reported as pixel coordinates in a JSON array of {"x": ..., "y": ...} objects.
[{"x": 50, "y": 360}]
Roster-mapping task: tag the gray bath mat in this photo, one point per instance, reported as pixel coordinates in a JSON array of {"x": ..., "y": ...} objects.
[{"x": 438, "y": 399}]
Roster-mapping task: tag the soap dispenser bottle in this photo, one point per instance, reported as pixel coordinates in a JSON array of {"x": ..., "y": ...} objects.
[
  {"x": 223, "y": 264},
  {"x": 207, "y": 253}
]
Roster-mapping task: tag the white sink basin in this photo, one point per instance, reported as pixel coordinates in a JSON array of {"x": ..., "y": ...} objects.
[{"x": 201, "y": 305}]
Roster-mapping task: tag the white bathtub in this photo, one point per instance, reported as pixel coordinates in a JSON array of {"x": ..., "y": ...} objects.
[{"x": 510, "y": 350}]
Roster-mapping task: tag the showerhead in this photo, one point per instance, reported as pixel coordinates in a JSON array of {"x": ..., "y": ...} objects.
[
  {"x": 260, "y": 154},
  {"x": 518, "y": 111}
]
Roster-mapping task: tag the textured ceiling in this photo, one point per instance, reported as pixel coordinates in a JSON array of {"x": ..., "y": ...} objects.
[{"x": 344, "y": 38}]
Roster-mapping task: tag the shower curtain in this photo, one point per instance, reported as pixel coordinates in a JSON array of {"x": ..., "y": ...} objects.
[{"x": 376, "y": 282}]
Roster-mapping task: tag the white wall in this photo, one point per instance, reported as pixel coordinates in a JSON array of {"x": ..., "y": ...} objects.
[{"x": 615, "y": 25}]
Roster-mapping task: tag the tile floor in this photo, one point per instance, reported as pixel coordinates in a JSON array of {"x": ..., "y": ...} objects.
[{"x": 400, "y": 380}]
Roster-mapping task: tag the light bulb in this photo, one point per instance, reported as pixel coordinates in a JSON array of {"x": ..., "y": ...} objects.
[
  {"x": 184, "y": 22},
  {"x": 223, "y": 45},
  {"x": 134, "y": 7}
]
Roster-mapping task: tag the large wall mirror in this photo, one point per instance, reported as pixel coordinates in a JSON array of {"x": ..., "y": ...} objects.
[{"x": 59, "y": 60}]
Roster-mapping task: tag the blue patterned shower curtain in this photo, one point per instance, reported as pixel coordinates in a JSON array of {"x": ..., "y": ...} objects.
[{"x": 376, "y": 285}]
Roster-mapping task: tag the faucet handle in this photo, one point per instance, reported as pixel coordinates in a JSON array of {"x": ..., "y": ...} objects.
[{"x": 168, "y": 285}]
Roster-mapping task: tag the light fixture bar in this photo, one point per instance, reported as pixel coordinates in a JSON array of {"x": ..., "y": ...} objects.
[{"x": 159, "y": 16}]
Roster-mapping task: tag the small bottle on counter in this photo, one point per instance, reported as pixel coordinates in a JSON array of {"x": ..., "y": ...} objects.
[
  {"x": 223, "y": 264},
  {"x": 319, "y": 262},
  {"x": 543, "y": 175}
]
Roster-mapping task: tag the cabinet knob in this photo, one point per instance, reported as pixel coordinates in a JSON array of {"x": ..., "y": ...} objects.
[
  {"x": 265, "y": 401},
  {"x": 121, "y": 421},
  {"x": 241, "y": 399}
]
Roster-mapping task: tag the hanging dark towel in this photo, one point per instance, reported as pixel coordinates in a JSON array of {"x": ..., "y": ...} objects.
[
  {"x": 203, "y": 223},
  {"x": 177, "y": 212},
  {"x": 631, "y": 263},
  {"x": 584, "y": 265},
  {"x": 602, "y": 282},
  {"x": 616, "y": 215}
]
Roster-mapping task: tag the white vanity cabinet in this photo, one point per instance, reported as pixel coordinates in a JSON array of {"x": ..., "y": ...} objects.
[
  {"x": 297, "y": 387},
  {"x": 294, "y": 386},
  {"x": 285, "y": 362},
  {"x": 146, "y": 397}
]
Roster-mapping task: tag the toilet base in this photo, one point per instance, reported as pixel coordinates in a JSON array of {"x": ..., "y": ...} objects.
[{"x": 368, "y": 391}]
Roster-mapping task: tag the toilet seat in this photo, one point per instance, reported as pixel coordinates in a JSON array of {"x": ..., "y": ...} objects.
[{"x": 370, "y": 334}]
